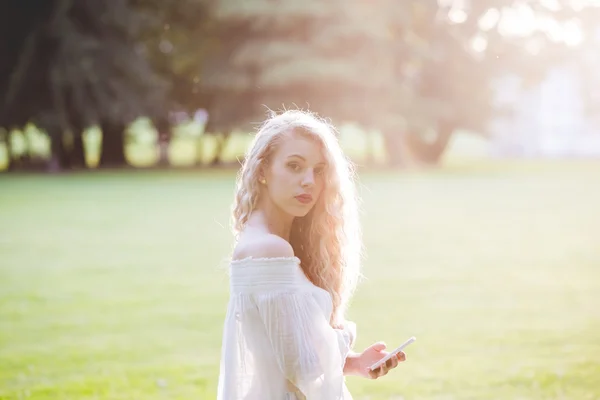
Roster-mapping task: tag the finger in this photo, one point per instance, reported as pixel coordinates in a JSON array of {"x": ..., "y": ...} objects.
[
  {"x": 401, "y": 356},
  {"x": 379, "y": 346},
  {"x": 379, "y": 372},
  {"x": 384, "y": 371},
  {"x": 374, "y": 373},
  {"x": 389, "y": 362}
]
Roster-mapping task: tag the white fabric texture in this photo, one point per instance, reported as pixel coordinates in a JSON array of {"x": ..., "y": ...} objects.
[{"x": 277, "y": 340}]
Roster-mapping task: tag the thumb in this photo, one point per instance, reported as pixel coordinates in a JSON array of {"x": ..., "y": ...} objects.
[{"x": 379, "y": 346}]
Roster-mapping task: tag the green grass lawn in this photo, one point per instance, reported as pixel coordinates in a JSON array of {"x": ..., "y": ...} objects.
[{"x": 114, "y": 286}]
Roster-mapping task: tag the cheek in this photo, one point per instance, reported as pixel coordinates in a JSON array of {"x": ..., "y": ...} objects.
[
  {"x": 320, "y": 184},
  {"x": 282, "y": 181},
  {"x": 281, "y": 175}
]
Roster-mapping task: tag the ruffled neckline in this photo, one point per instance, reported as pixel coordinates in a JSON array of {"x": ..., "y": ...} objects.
[{"x": 270, "y": 260}]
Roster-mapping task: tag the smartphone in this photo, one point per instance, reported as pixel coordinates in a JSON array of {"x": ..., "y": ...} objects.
[{"x": 392, "y": 354}]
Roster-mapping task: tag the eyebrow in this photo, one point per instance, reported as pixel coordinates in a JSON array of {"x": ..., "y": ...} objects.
[
  {"x": 297, "y": 155},
  {"x": 304, "y": 159}
]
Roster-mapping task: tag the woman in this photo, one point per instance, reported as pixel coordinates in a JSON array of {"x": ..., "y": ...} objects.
[{"x": 294, "y": 267}]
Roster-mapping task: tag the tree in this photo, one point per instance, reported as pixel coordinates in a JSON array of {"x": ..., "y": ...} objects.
[
  {"x": 173, "y": 40},
  {"x": 415, "y": 70},
  {"x": 17, "y": 60},
  {"x": 470, "y": 48},
  {"x": 74, "y": 64}
]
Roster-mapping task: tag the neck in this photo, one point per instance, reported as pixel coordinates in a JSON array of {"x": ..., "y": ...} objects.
[{"x": 275, "y": 220}]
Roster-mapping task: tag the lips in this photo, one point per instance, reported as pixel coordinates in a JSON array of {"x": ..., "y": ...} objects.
[{"x": 304, "y": 198}]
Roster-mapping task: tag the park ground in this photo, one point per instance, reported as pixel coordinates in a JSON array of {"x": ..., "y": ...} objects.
[{"x": 113, "y": 285}]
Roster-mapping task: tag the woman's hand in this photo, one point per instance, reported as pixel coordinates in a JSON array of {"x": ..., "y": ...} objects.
[{"x": 359, "y": 363}]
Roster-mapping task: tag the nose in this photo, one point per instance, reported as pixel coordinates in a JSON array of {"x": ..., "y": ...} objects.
[{"x": 309, "y": 179}]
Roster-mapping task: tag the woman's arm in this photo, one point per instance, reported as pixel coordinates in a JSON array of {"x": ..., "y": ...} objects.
[{"x": 350, "y": 367}]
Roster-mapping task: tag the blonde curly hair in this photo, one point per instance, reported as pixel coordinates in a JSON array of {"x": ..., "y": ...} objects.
[{"x": 328, "y": 240}]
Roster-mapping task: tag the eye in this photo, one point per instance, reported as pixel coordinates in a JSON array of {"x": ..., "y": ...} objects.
[
  {"x": 294, "y": 166},
  {"x": 320, "y": 170}
]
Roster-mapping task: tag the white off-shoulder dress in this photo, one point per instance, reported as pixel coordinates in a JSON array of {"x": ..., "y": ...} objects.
[{"x": 277, "y": 340}]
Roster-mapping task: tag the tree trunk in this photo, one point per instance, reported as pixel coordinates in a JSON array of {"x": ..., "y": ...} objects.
[
  {"x": 77, "y": 152},
  {"x": 113, "y": 146},
  {"x": 199, "y": 149},
  {"x": 5, "y": 134},
  {"x": 395, "y": 147},
  {"x": 164, "y": 140},
  {"x": 59, "y": 159},
  {"x": 221, "y": 142},
  {"x": 163, "y": 149},
  {"x": 430, "y": 153}
]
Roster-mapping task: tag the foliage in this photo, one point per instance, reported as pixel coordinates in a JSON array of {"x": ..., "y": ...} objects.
[
  {"x": 77, "y": 65},
  {"x": 82, "y": 56},
  {"x": 414, "y": 70},
  {"x": 406, "y": 68}
]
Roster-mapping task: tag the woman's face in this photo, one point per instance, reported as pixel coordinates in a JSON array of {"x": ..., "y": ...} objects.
[{"x": 295, "y": 175}]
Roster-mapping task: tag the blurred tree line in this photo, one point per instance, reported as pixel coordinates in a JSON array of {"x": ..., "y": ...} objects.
[{"x": 414, "y": 70}]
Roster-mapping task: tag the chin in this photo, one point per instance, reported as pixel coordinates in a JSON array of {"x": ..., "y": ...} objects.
[{"x": 300, "y": 211}]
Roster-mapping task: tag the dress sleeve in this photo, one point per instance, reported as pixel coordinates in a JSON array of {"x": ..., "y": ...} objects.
[{"x": 310, "y": 353}]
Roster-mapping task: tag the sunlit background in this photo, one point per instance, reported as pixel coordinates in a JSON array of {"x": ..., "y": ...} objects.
[{"x": 475, "y": 129}]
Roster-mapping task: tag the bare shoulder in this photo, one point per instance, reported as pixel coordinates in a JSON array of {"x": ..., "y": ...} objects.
[{"x": 262, "y": 245}]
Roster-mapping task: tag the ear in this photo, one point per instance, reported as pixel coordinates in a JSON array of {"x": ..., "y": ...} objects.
[
  {"x": 262, "y": 176},
  {"x": 263, "y": 169}
]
